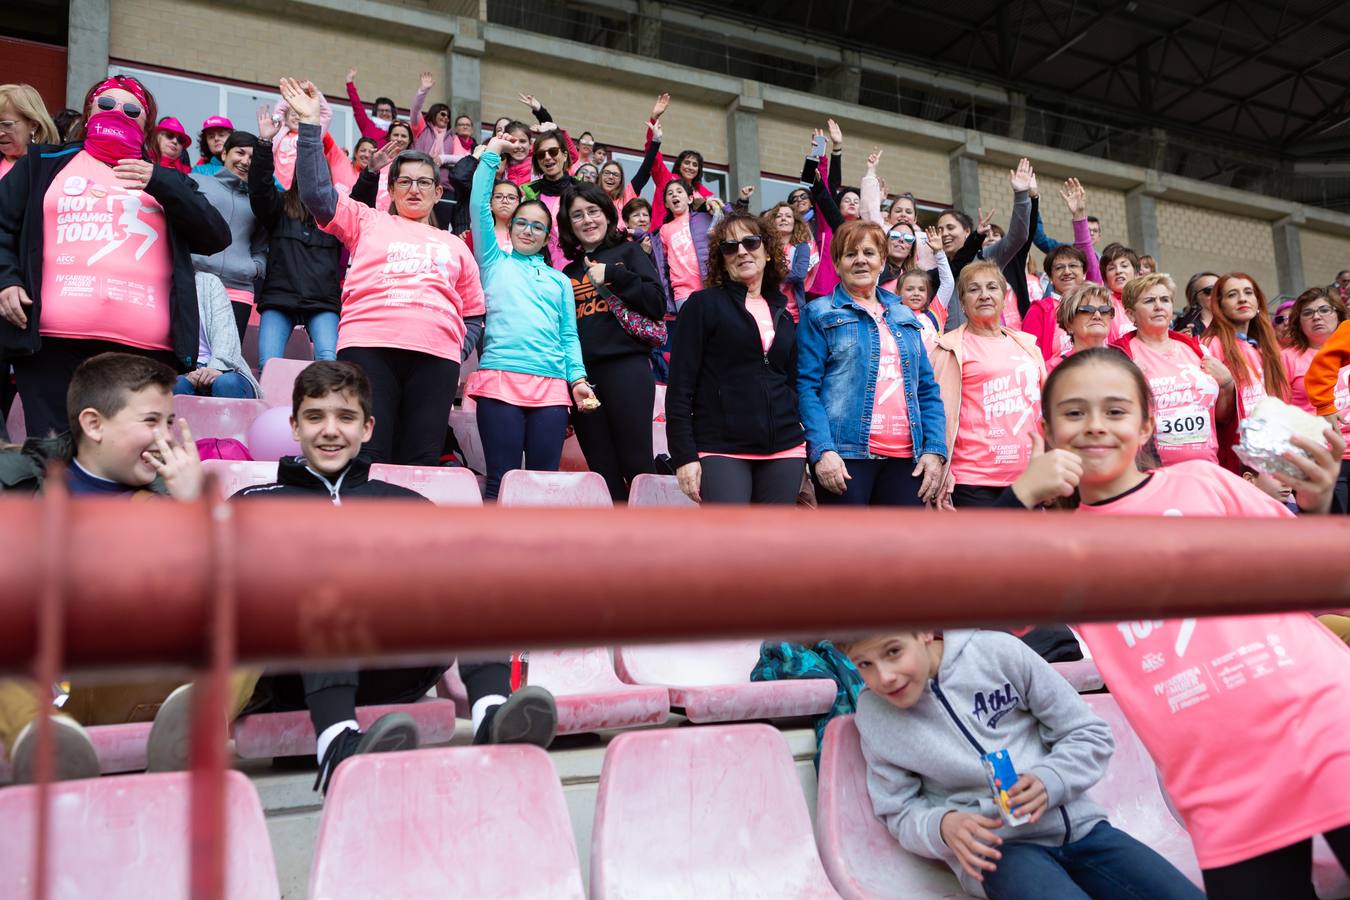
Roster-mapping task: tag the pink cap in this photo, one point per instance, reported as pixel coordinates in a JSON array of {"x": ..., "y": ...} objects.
[
  {"x": 173, "y": 126},
  {"x": 217, "y": 122}
]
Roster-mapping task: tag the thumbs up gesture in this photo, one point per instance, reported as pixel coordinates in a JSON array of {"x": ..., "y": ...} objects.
[{"x": 1051, "y": 474}]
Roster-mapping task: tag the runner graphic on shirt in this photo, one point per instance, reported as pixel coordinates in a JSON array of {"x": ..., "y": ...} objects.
[{"x": 130, "y": 223}]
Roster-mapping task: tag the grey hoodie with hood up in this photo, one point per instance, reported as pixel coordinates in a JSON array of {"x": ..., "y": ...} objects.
[{"x": 992, "y": 692}]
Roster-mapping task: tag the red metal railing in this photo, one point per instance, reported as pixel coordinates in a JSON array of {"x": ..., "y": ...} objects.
[{"x": 99, "y": 583}]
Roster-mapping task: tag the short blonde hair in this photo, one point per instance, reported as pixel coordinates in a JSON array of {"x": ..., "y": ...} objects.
[
  {"x": 1135, "y": 288},
  {"x": 27, "y": 102},
  {"x": 1069, "y": 303}
]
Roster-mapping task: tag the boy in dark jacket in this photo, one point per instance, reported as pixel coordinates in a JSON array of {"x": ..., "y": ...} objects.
[
  {"x": 331, "y": 419},
  {"x": 120, "y": 410}
]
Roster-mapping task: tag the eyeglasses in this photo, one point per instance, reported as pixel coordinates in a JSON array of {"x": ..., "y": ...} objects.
[
  {"x": 129, "y": 109},
  {"x": 1108, "y": 311},
  {"x": 503, "y": 197},
  {"x": 1205, "y": 290},
  {"x": 751, "y": 243},
  {"x": 9, "y": 125},
  {"x": 550, "y": 152},
  {"x": 1314, "y": 313},
  {"x": 581, "y": 215},
  {"x": 423, "y": 184},
  {"x": 901, "y": 236},
  {"x": 176, "y": 138},
  {"x": 1062, "y": 268},
  {"x": 587, "y": 144},
  {"x": 799, "y": 198},
  {"x": 527, "y": 225}
]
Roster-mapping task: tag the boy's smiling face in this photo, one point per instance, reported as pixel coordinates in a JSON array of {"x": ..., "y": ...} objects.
[
  {"x": 114, "y": 447},
  {"x": 331, "y": 430},
  {"x": 897, "y": 666}
]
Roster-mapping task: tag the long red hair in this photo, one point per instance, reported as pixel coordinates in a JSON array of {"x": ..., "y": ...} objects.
[{"x": 1259, "y": 328}]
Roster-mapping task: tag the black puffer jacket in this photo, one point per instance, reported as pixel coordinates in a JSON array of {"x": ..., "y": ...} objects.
[{"x": 303, "y": 262}]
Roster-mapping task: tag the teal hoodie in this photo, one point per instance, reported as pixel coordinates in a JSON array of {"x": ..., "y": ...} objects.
[{"x": 531, "y": 324}]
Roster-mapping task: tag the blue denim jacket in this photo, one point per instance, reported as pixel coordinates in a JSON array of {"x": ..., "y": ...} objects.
[{"x": 838, "y": 354}]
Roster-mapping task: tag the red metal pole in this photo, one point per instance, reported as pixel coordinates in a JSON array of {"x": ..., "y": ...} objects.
[
  {"x": 47, "y": 667},
  {"x": 395, "y": 578}
]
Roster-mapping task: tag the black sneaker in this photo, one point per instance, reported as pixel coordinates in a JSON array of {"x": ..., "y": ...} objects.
[
  {"x": 394, "y": 731},
  {"x": 529, "y": 716}
]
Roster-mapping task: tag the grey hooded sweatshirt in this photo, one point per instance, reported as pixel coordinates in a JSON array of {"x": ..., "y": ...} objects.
[
  {"x": 245, "y": 260},
  {"x": 992, "y": 692}
]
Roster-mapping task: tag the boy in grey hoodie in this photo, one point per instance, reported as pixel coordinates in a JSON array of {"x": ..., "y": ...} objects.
[{"x": 934, "y": 707}]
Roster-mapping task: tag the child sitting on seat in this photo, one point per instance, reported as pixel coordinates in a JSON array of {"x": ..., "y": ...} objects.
[
  {"x": 331, "y": 418},
  {"x": 934, "y": 707},
  {"x": 121, "y": 444}
]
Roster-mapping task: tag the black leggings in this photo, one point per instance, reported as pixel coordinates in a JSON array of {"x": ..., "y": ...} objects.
[
  {"x": 975, "y": 496},
  {"x": 617, "y": 438},
  {"x": 728, "y": 480},
  {"x": 875, "y": 482},
  {"x": 1342, "y": 491},
  {"x": 413, "y": 393},
  {"x": 1285, "y": 873},
  {"x": 242, "y": 313},
  {"x": 44, "y": 377}
]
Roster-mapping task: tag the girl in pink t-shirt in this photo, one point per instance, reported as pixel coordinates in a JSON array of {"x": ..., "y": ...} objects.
[
  {"x": 684, "y": 258},
  {"x": 412, "y": 305},
  {"x": 1244, "y": 715}
]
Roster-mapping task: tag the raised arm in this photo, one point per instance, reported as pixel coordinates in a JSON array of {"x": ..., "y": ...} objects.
[
  {"x": 649, "y": 158},
  {"x": 1019, "y": 226},
  {"x": 415, "y": 113},
  {"x": 481, "y": 223},
  {"x": 1075, "y": 199},
  {"x": 870, "y": 190},
  {"x": 316, "y": 184},
  {"x": 364, "y": 123},
  {"x": 836, "y": 176}
]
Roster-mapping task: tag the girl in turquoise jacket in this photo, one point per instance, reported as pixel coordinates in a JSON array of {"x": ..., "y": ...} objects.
[{"x": 530, "y": 370}]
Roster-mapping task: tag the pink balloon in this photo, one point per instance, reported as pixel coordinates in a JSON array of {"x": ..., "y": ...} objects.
[{"x": 269, "y": 437}]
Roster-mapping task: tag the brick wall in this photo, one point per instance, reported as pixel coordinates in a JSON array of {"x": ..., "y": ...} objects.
[
  {"x": 614, "y": 113},
  {"x": 1196, "y": 240},
  {"x": 1324, "y": 255},
  {"x": 260, "y": 47}
]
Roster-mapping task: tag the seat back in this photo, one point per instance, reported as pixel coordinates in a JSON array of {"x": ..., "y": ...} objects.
[
  {"x": 585, "y": 671},
  {"x": 522, "y": 487},
  {"x": 861, "y": 857},
  {"x": 657, "y": 490},
  {"x": 278, "y": 379},
  {"x": 15, "y": 424},
  {"x": 234, "y": 476},
  {"x": 464, "y": 423},
  {"x": 716, "y": 811},
  {"x": 659, "y": 443},
  {"x": 127, "y": 838},
  {"x": 688, "y": 665},
  {"x": 442, "y": 486},
  {"x": 218, "y": 417},
  {"x": 462, "y": 822}
]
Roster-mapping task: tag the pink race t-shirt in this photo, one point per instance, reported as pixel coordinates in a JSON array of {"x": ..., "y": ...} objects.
[
  {"x": 1184, "y": 396},
  {"x": 1296, "y": 364},
  {"x": 1000, "y": 406},
  {"x": 1250, "y": 394},
  {"x": 759, "y": 310},
  {"x": 890, "y": 433},
  {"x": 5, "y": 165},
  {"x": 681, "y": 258},
  {"x": 284, "y": 152},
  {"x": 106, "y": 265},
  {"x": 1244, "y": 715},
  {"x": 1012, "y": 317},
  {"x": 409, "y": 286}
]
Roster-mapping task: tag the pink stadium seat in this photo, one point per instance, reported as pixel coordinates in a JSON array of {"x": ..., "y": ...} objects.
[
  {"x": 278, "y": 379},
  {"x": 127, "y": 838},
  {"x": 711, "y": 681},
  {"x": 522, "y": 487},
  {"x": 234, "y": 476},
  {"x": 464, "y": 423},
  {"x": 15, "y": 425},
  {"x": 215, "y": 417},
  {"x": 268, "y": 735},
  {"x": 442, "y": 486},
  {"x": 573, "y": 460},
  {"x": 659, "y": 444},
  {"x": 657, "y": 490},
  {"x": 590, "y": 696},
  {"x": 864, "y": 861},
  {"x": 1082, "y": 674},
  {"x": 703, "y": 812},
  {"x": 464, "y": 822},
  {"x": 120, "y": 748}
]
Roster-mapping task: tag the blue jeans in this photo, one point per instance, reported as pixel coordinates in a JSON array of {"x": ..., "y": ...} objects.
[
  {"x": 1107, "y": 864},
  {"x": 227, "y": 384},
  {"x": 275, "y": 326},
  {"x": 508, "y": 431}
]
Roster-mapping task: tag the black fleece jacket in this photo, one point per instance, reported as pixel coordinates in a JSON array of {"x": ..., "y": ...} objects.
[
  {"x": 630, "y": 276},
  {"x": 296, "y": 479}
]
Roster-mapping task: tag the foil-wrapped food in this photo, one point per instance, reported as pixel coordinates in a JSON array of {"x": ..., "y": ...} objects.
[{"x": 1267, "y": 432}]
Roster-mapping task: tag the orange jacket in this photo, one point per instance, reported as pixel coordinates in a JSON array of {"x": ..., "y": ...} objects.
[{"x": 1320, "y": 381}]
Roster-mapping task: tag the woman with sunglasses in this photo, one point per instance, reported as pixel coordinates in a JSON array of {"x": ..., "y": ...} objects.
[
  {"x": 23, "y": 121},
  {"x": 1192, "y": 391},
  {"x": 1195, "y": 318},
  {"x": 1280, "y": 319},
  {"x": 432, "y": 133},
  {"x": 1314, "y": 318},
  {"x": 606, "y": 269},
  {"x": 169, "y": 143},
  {"x": 1083, "y": 321},
  {"x": 731, "y": 404},
  {"x": 96, "y": 247},
  {"x": 530, "y": 370},
  {"x": 412, "y": 304},
  {"x": 866, "y": 393},
  {"x": 552, "y": 158}
]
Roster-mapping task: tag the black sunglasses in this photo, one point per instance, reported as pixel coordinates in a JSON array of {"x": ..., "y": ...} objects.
[
  {"x": 1108, "y": 310},
  {"x": 798, "y": 198},
  {"x": 129, "y": 109},
  {"x": 751, "y": 243}
]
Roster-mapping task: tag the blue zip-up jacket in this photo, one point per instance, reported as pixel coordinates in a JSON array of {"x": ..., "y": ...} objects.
[
  {"x": 838, "y": 355},
  {"x": 531, "y": 318}
]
